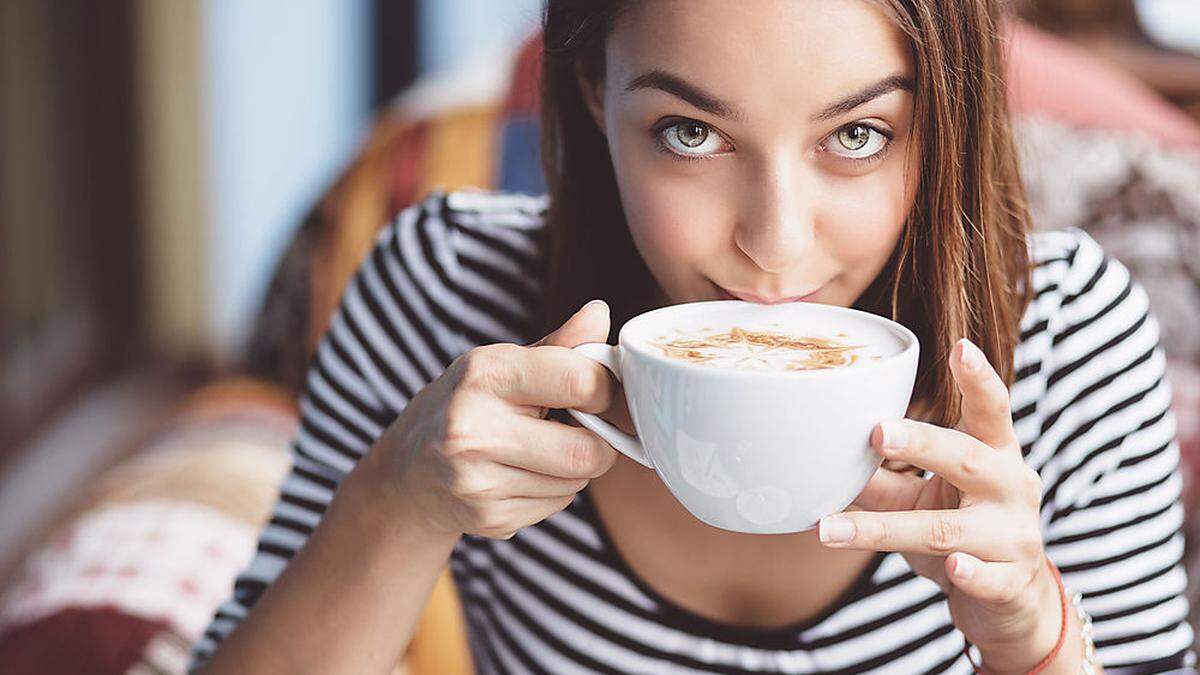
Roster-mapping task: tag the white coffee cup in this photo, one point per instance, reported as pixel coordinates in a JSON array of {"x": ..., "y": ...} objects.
[{"x": 757, "y": 451}]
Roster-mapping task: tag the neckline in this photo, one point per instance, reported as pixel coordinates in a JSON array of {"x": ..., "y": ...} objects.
[{"x": 784, "y": 637}]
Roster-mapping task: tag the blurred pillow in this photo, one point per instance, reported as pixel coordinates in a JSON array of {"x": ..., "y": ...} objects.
[{"x": 129, "y": 579}]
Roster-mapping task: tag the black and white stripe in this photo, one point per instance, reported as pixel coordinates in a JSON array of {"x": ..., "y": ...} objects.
[{"x": 1090, "y": 406}]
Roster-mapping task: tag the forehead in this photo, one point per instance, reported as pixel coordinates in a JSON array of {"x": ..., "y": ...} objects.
[{"x": 765, "y": 55}]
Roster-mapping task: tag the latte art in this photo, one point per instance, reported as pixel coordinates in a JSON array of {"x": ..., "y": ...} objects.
[{"x": 740, "y": 349}]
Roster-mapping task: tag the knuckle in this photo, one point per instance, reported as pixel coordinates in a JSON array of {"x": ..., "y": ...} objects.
[
  {"x": 470, "y": 483},
  {"x": 583, "y": 458},
  {"x": 472, "y": 364},
  {"x": 945, "y": 534},
  {"x": 991, "y": 397},
  {"x": 480, "y": 367},
  {"x": 997, "y": 392},
  {"x": 580, "y": 385},
  {"x": 458, "y": 432},
  {"x": 971, "y": 462},
  {"x": 877, "y": 534}
]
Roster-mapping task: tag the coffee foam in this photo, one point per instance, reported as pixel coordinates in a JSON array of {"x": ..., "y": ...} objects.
[
  {"x": 740, "y": 349},
  {"x": 743, "y": 336}
]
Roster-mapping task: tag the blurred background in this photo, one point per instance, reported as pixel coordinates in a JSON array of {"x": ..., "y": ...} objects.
[
  {"x": 155, "y": 157},
  {"x": 180, "y": 187}
]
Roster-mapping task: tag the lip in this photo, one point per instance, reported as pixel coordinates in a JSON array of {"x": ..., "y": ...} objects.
[{"x": 763, "y": 300}]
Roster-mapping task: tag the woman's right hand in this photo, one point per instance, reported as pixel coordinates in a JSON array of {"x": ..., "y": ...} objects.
[{"x": 472, "y": 453}]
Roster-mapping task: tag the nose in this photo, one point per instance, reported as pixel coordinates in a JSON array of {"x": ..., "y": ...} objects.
[{"x": 776, "y": 227}]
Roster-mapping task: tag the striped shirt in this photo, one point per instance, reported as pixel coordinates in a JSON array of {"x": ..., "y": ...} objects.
[{"x": 1089, "y": 404}]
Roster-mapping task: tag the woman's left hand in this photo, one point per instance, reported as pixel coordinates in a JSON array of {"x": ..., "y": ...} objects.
[{"x": 973, "y": 528}]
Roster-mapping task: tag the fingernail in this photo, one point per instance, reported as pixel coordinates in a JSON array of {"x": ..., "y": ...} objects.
[
  {"x": 835, "y": 530},
  {"x": 895, "y": 436},
  {"x": 597, "y": 301},
  {"x": 972, "y": 358},
  {"x": 965, "y": 566}
]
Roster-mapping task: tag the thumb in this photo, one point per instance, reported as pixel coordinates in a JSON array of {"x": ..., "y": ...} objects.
[{"x": 589, "y": 324}]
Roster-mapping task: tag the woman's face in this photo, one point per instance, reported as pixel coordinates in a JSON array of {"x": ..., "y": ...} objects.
[{"x": 760, "y": 148}]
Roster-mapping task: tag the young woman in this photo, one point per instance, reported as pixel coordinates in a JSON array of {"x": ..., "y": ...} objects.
[{"x": 849, "y": 152}]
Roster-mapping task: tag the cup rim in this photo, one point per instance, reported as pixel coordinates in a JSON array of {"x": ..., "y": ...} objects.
[{"x": 912, "y": 345}]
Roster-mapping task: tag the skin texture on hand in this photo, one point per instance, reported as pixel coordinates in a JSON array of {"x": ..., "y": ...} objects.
[
  {"x": 973, "y": 528},
  {"x": 473, "y": 453}
]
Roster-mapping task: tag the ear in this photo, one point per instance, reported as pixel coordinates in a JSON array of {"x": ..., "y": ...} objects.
[{"x": 591, "y": 90}]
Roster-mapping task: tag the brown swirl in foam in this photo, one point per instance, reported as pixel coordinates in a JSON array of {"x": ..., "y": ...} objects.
[{"x": 811, "y": 353}]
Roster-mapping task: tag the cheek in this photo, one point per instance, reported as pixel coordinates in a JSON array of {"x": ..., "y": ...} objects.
[
  {"x": 863, "y": 218},
  {"x": 673, "y": 215},
  {"x": 662, "y": 224}
]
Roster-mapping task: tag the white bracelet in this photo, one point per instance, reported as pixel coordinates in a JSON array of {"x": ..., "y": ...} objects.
[{"x": 1085, "y": 632}]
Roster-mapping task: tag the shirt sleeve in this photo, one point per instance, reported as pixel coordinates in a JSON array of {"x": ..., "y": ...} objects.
[
  {"x": 1111, "y": 515},
  {"x": 397, "y": 328}
]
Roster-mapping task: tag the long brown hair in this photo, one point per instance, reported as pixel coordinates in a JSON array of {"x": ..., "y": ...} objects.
[{"x": 961, "y": 267}]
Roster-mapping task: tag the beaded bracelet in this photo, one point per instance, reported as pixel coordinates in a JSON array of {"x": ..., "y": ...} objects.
[{"x": 1085, "y": 621}]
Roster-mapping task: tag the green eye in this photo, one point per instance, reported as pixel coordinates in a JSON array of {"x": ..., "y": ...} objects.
[
  {"x": 858, "y": 141},
  {"x": 690, "y": 139},
  {"x": 691, "y": 134},
  {"x": 854, "y": 137}
]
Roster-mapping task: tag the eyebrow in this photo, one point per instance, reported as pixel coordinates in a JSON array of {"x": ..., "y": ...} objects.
[
  {"x": 697, "y": 97},
  {"x": 885, "y": 86},
  {"x": 681, "y": 88}
]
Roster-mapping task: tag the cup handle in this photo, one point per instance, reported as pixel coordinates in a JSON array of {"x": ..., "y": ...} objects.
[{"x": 606, "y": 355}]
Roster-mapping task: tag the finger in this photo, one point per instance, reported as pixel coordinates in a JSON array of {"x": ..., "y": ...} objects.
[
  {"x": 938, "y": 532},
  {"x": 506, "y": 482},
  {"x": 589, "y": 324},
  {"x": 986, "y": 410},
  {"x": 616, "y": 415},
  {"x": 554, "y": 449},
  {"x": 890, "y": 491},
  {"x": 536, "y": 510},
  {"x": 995, "y": 582},
  {"x": 958, "y": 458},
  {"x": 541, "y": 377},
  {"x": 557, "y": 377},
  {"x": 508, "y": 516}
]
